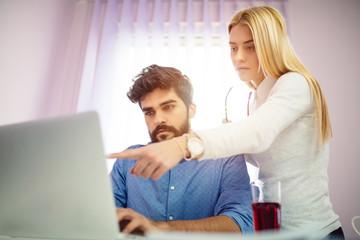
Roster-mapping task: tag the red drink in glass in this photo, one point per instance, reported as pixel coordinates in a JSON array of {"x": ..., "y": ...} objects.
[{"x": 267, "y": 215}]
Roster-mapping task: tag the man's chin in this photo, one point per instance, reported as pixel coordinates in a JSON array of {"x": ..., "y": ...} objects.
[{"x": 163, "y": 137}]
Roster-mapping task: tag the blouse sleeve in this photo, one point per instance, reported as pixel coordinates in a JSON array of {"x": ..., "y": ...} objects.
[{"x": 289, "y": 99}]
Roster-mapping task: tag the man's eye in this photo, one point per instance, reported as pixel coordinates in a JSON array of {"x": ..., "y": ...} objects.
[
  {"x": 232, "y": 49},
  {"x": 168, "y": 107},
  {"x": 149, "y": 113}
]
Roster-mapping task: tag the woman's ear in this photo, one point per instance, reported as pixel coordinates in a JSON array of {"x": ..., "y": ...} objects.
[{"x": 192, "y": 110}]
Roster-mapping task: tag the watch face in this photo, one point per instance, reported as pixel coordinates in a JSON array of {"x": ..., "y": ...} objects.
[{"x": 195, "y": 147}]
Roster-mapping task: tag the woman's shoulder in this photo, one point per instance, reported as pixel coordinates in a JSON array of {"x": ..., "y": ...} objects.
[
  {"x": 292, "y": 85},
  {"x": 292, "y": 81},
  {"x": 293, "y": 76}
]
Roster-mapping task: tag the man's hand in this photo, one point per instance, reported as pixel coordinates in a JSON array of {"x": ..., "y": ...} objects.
[
  {"x": 155, "y": 159},
  {"x": 133, "y": 222}
]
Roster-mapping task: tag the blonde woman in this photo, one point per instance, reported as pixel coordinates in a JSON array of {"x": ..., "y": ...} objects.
[{"x": 286, "y": 133}]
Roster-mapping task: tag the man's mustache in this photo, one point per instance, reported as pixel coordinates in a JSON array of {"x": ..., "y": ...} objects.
[{"x": 163, "y": 127}]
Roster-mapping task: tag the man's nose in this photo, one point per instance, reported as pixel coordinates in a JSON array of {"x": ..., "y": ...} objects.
[{"x": 159, "y": 119}]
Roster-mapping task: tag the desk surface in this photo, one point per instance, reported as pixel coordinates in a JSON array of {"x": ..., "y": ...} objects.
[{"x": 283, "y": 235}]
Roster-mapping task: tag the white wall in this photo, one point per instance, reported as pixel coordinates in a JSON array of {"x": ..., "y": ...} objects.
[
  {"x": 326, "y": 36},
  {"x": 325, "y": 33}
]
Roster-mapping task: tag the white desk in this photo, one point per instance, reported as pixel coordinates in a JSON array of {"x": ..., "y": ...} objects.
[{"x": 283, "y": 235}]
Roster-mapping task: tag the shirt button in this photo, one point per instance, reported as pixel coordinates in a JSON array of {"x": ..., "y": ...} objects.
[
  {"x": 172, "y": 187},
  {"x": 171, "y": 218}
]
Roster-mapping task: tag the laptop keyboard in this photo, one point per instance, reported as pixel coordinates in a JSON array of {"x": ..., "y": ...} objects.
[{"x": 123, "y": 236}]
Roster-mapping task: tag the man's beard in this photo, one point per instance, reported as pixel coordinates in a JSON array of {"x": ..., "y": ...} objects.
[{"x": 184, "y": 128}]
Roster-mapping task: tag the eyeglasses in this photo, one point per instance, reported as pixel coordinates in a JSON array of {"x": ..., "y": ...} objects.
[
  {"x": 226, "y": 116},
  {"x": 248, "y": 104}
]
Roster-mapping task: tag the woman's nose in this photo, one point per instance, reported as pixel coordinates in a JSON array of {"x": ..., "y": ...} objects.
[{"x": 240, "y": 56}]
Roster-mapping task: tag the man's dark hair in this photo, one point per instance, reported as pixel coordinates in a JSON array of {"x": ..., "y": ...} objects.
[{"x": 154, "y": 77}]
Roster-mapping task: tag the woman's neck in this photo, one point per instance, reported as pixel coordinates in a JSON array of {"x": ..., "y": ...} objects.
[{"x": 257, "y": 83}]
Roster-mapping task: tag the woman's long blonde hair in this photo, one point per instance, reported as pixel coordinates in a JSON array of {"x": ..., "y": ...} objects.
[{"x": 277, "y": 57}]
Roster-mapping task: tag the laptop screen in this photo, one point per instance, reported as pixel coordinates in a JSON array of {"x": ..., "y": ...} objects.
[{"x": 53, "y": 180}]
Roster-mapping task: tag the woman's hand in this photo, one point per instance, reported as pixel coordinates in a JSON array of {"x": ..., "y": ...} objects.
[
  {"x": 226, "y": 121},
  {"x": 155, "y": 159}
]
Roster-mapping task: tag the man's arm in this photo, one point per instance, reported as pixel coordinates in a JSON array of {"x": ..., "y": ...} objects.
[
  {"x": 118, "y": 180},
  {"x": 135, "y": 222},
  {"x": 219, "y": 223},
  {"x": 234, "y": 200},
  {"x": 119, "y": 175}
]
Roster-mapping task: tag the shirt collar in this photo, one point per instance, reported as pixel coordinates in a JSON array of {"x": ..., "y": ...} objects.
[{"x": 264, "y": 88}]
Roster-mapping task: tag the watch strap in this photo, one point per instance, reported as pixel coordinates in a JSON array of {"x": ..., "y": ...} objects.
[{"x": 182, "y": 149}]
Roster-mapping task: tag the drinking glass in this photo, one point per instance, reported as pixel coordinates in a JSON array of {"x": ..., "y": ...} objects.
[{"x": 266, "y": 205}]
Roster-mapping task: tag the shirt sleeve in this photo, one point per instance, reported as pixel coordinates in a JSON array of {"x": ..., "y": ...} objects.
[
  {"x": 288, "y": 100},
  {"x": 118, "y": 180},
  {"x": 235, "y": 194},
  {"x": 118, "y": 175}
]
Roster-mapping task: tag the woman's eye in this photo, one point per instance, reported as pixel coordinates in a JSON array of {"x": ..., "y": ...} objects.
[{"x": 251, "y": 47}]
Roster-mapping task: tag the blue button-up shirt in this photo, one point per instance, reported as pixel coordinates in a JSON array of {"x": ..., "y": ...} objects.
[{"x": 191, "y": 190}]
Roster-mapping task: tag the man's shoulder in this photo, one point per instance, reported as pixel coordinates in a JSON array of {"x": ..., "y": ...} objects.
[
  {"x": 127, "y": 161},
  {"x": 234, "y": 158},
  {"x": 234, "y": 162},
  {"x": 136, "y": 146}
]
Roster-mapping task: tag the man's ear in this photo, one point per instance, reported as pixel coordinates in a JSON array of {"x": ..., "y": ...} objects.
[{"x": 192, "y": 110}]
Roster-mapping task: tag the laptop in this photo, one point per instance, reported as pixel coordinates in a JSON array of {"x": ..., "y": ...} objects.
[
  {"x": 54, "y": 185},
  {"x": 53, "y": 180}
]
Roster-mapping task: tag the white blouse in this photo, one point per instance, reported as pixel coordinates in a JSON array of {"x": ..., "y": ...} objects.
[{"x": 281, "y": 137}]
